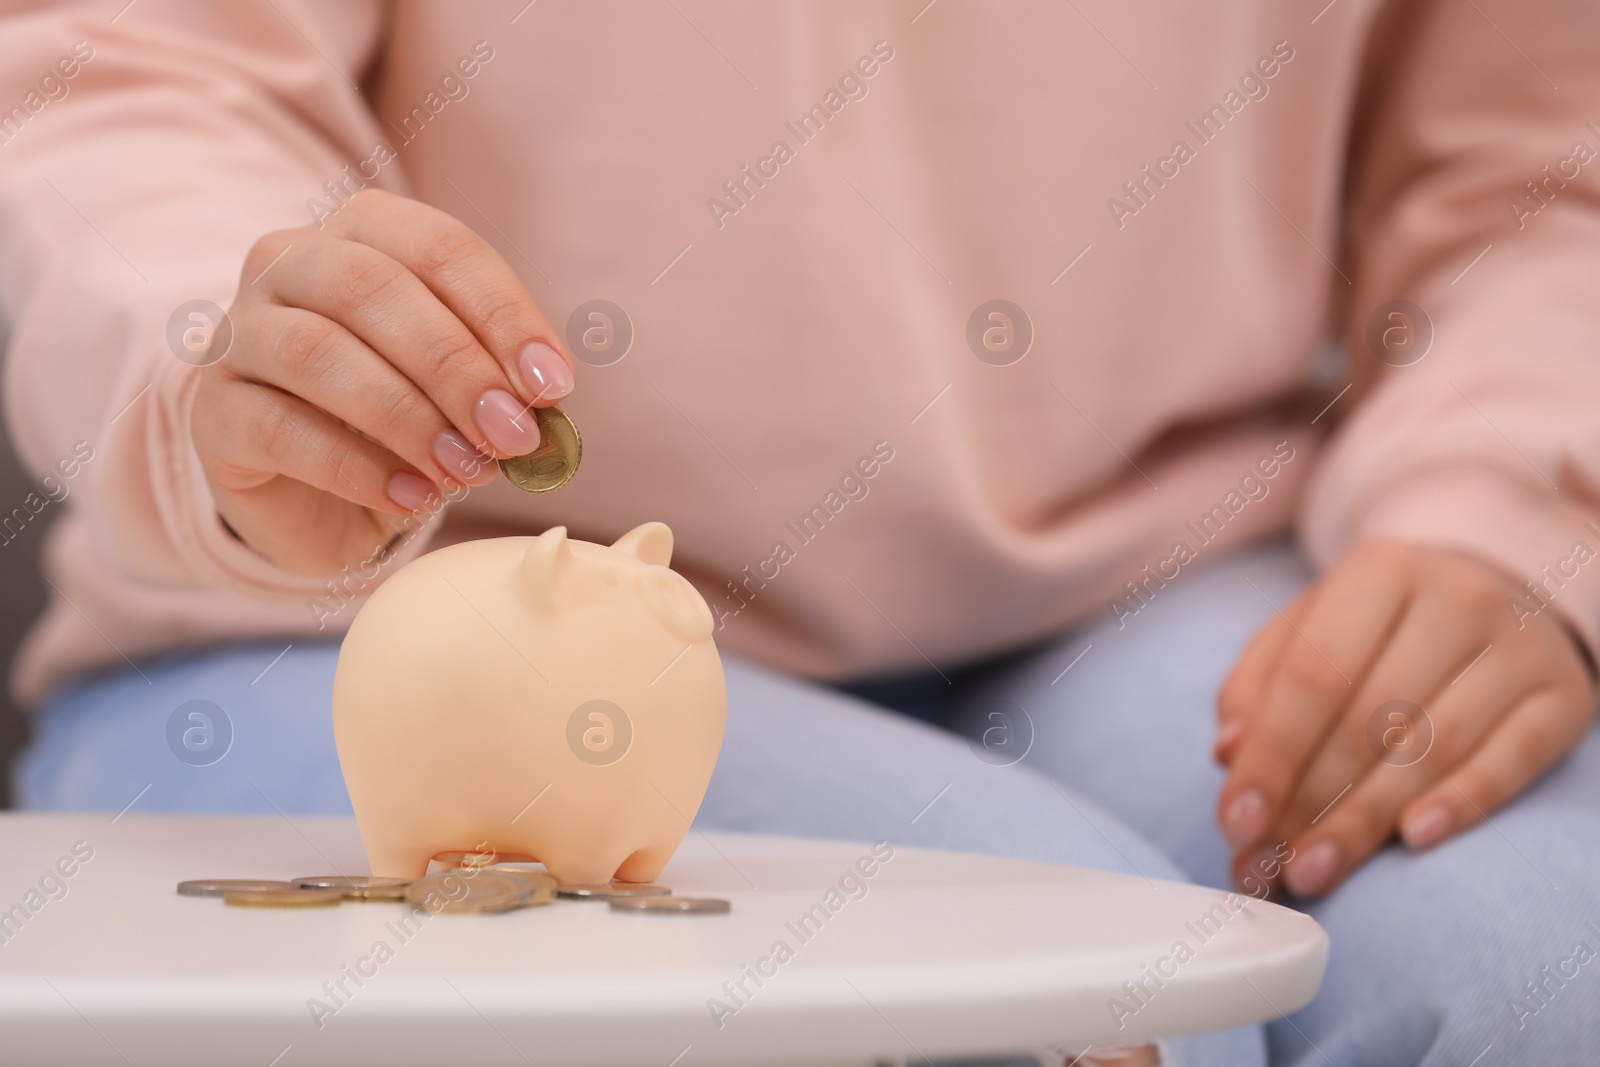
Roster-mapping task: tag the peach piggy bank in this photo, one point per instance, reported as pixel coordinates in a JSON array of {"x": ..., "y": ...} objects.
[{"x": 532, "y": 695}]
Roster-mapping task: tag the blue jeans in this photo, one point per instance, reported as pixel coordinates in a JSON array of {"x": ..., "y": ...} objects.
[{"x": 1431, "y": 954}]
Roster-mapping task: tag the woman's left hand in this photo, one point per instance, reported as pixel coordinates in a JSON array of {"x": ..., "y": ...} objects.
[{"x": 1404, "y": 691}]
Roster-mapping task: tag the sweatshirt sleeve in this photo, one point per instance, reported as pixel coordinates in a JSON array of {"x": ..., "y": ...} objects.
[
  {"x": 149, "y": 145},
  {"x": 1474, "y": 323}
]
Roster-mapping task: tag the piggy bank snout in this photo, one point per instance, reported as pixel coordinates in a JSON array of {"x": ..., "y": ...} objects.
[{"x": 674, "y": 603}]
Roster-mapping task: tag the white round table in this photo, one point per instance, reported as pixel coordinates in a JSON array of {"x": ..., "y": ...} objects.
[{"x": 933, "y": 955}]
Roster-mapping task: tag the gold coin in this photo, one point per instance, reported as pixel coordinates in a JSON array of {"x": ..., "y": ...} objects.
[
  {"x": 554, "y": 462},
  {"x": 485, "y": 858},
  {"x": 284, "y": 898},
  {"x": 526, "y": 868}
]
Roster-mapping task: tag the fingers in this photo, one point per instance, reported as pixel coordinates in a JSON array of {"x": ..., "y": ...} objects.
[
  {"x": 474, "y": 281},
  {"x": 1542, "y": 728},
  {"x": 327, "y": 365},
  {"x": 1257, "y": 872},
  {"x": 1244, "y": 691},
  {"x": 1428, "y": 650},
  {"x": 1488, "y": 734},
  {"x": 385, "y": 305},
  {"x": 1359, "y": 816},
  {"x": 1348, "y": 621},
  {"x": 268, "y": 432},
  {"x": 1120, "y": 1056},
  {"x": 376, "y": 360},
  {"x": 1502, "y": 703}
]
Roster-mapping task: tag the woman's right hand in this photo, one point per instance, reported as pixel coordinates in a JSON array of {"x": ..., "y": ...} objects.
[{"x": 377, "y": 358}]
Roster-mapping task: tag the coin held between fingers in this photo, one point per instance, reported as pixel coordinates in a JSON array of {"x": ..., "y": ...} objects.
[{"x": 554, "y": 462}]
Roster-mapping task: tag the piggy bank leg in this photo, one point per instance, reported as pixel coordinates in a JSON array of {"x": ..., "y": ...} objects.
[
  {"x": 645, "y": 864},
  {"x": 587, "y": 869},
  {"x": 398, "y": 860}
]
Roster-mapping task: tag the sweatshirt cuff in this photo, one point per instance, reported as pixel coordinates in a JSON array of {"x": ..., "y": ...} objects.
[
  {"x": 213, "y": 553},
  {"x": 1547, "y": 544}
]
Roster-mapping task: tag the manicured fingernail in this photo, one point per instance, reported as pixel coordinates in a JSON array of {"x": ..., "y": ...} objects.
[
  {"x": 459, "y": 458},
  {"x": 1246, "y": 818},
  {"x": 504, "y": 422},
  {"x": 1314, "y": 870},
  {"x": 1425, "y": 830},
  {"x": 413, "y": 493},
  {"x": 545, "y": 374}
]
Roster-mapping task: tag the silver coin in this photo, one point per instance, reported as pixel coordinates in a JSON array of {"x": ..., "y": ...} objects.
[
  {"x": 215, "y": 887},
  {"x": 671, "y": 905},
  {"x": 357, "y": 887},
  {"x": 610, "y": 890},
  {"x": 541, "y": 884},
  {"x": 471, "y": 891},
  {"x": 341, "y": 881},
  {"x": 541, "y": 887}
]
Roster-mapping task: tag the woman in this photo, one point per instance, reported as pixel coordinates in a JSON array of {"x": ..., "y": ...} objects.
[{"x": 1059, "y": 278}]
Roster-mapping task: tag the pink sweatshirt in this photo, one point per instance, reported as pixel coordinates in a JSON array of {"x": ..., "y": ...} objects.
[{"x": 805, "y": 213}]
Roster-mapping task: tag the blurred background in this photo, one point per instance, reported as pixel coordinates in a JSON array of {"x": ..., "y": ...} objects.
[{"x": 22, "y": 594}]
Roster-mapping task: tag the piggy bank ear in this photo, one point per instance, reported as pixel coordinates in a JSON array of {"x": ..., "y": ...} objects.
[
  {"x": 675, "y": 603},
  {"x": 650, "y": 543},
  {"x": 536, "y": 574}
]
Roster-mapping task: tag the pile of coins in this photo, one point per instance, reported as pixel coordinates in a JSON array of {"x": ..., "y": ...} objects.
[{"x": 471, "y": 883}]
